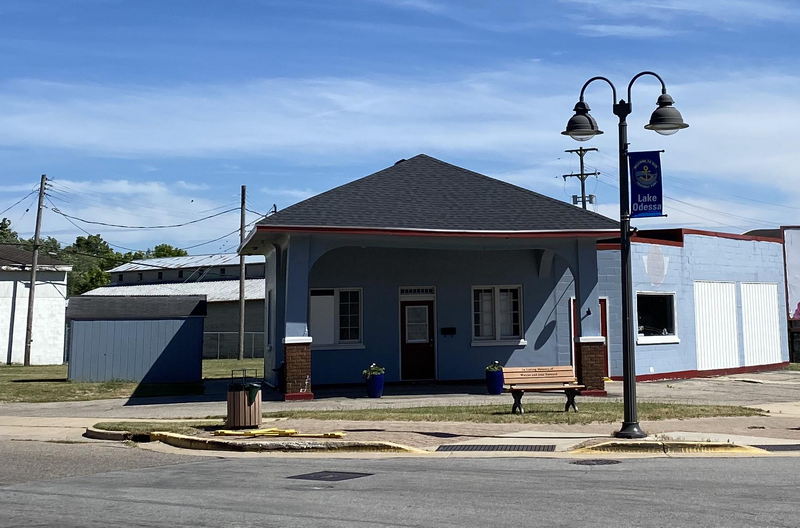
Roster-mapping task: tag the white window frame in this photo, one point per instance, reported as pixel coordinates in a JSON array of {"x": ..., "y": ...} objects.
[
  {"x": 496, "y": 339},
  {"x": 342, "y": 344},
  {"x": 658, "y": 339}
]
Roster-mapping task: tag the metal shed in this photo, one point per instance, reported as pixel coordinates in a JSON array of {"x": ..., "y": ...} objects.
[{"x": 155, "y": 339}]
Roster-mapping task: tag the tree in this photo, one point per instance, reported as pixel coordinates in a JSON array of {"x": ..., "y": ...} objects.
[
  {"x": 8, "y": 235},
  {"x": 90, "y": 257},
  {"x": 166, "y": 250}
]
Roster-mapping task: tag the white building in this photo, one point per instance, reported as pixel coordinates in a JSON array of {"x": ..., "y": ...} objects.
[{"x": 47, "y": 345}]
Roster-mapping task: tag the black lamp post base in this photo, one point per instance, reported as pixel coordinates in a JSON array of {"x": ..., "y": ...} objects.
[{"x": 630, "y": 430}]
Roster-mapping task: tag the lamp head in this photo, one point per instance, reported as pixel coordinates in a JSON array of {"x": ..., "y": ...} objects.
[
  {"x": 666, "y": 119},
  {"x": 581, "y": 126}
]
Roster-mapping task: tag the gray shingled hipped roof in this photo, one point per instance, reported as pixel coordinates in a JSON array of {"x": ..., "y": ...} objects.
[{"x": 427, "y": 193}]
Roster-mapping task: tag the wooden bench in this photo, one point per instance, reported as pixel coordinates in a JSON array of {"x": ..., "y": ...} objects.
[{"x": 517, "y": 380}]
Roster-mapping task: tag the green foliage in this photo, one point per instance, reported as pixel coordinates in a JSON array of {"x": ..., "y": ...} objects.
[
  {"x": 494, "y": 366},
  {"x": 90, "y": 256},
  {"x": 165, "y": 250},
  {"x": 373, "y": 370},
  {"x": 8, "y": 235}
]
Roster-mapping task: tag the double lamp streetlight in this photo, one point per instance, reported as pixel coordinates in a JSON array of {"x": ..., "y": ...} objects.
[{"x": 665, "y": 120}]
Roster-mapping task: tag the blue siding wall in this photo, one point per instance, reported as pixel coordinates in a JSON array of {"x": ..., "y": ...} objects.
[
  {"x": 380, "y": 272},
  {"x": 150, "y": 351},
  {"x": 662, "y": 268}
]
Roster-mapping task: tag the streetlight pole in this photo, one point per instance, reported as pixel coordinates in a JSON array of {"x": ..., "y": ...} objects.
[{"x": 665, "y": 120}]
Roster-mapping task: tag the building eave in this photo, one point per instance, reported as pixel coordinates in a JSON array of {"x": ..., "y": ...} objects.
[{"x": 421, "y": 232}]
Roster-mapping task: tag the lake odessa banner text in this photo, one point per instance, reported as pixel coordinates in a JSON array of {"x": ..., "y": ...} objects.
[{"x": 646, "y": 193}]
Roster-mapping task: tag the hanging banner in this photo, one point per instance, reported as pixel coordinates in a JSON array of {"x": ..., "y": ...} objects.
[{"x": 645, "y": 176}]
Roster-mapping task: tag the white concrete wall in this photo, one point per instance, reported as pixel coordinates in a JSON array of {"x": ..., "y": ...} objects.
[{"x": 47, "y": 347}]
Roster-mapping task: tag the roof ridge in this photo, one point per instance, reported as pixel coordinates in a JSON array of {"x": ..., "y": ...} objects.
[
  {"x": 513, "y": 186},
  {"x": 426, "y": 192}
]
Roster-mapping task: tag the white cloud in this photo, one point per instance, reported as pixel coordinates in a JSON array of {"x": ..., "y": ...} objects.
[
  {"x": 741, "y": 127},
  {"x": 738, "y": 11},
  {"x": 131, "y": 203},
  {"x": 625, "y": 31},
  {"x": 295, "y": 195}
]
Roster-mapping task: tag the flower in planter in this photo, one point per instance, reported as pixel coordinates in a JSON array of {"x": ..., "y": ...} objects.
[
  {"x": 373, "y": 370},
  {"x": 494, "y": 366}
]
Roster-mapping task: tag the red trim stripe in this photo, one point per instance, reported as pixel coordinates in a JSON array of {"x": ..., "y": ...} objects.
[
  {"x": 730, "y": 235},
  {"x": 687, "y": 374},
  {"x": 423, "y": 233}
]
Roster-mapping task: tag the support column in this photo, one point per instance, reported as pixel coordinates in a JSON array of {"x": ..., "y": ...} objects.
[
  {"x": 593, "y": 357},
  {"x": 298, "y": 368},
  {"x": 297, "y": 342},
  {"x": 590, "y": 347}
]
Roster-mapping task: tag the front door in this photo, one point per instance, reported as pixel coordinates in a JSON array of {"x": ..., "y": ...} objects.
[{"x": 417, "y": 347}]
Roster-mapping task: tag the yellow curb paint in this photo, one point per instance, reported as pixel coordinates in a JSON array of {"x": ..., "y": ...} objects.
[
  {"x": 193, "y": 442},
  {"x": 668, "y": 448}
]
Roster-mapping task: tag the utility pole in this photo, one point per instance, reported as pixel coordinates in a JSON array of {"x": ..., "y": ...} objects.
[
  {"x": 582, "y": 176},
  {"x": 242, "y": 274},
  {"x": 34, "y": 263}
]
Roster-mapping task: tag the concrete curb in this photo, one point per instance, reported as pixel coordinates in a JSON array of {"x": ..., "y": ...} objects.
[
  {"x": 668, "y": 447},
  {"x": 288, "y": 445},
  {"x": 102, "y": 434}
]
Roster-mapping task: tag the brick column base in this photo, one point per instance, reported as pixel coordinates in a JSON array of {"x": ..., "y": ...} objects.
[
  {"x": 297, "y": 352},
  {"x": 592, "y": 368}
]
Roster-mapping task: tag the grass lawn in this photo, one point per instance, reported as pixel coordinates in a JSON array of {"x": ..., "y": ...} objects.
[
  {"x": 221, "y": 368},
  {"x": 187, "y": 427},
  {"x": 540, "y": 413},
  {"x": 47, "y": 383},
  {"x": 793, "y": 366},
  {"x": 543, "y": 413}
]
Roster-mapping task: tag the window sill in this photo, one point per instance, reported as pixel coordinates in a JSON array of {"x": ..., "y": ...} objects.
[
  {"x": 657, "y": 340},
  {"x": 341, "y": 346},
  {"x": 503, "y": 342}
]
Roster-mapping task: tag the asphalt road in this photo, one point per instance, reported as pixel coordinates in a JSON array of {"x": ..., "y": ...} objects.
[{"x": 152, "y": 489}]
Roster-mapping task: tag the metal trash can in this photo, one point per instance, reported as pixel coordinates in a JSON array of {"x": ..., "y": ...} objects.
[{"x": 244, "y": 401}]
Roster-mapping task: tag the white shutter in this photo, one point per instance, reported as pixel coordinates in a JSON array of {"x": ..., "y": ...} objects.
[
  {"x": 715, "y": 325},
  {"x": 760, "y": 326}
]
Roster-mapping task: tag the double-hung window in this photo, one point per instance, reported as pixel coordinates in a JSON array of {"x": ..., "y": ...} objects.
[
  {"x": 497, "y": 313},
  {"x": 336, "y": 317}
]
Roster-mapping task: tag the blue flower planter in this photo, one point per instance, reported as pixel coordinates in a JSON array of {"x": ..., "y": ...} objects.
[
  {"x": 375, "y": 386},
  {"x": 494, "y": 381}
]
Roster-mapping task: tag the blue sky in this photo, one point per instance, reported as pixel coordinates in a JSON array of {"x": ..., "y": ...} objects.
[{"x": 155, "y": 112}]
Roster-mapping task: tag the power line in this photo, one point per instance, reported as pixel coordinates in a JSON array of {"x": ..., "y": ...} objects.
[
  {"x": 219, "y": 238},
  {"x": 18, "y": 201},
  {"x": 165, "y": 226}
]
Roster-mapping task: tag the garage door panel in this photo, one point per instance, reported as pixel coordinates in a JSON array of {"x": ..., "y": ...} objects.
[
  {"x": 760, "y": 324},
  {"x": 715, "y": 325}
]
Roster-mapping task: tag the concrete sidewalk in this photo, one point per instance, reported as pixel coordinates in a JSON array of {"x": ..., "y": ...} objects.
[{"x": 777, "y": 392}]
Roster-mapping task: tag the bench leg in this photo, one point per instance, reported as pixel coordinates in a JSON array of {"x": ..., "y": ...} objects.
[
  {"x": 571, "y": 393},
  {"x": 517, "y": 407}
]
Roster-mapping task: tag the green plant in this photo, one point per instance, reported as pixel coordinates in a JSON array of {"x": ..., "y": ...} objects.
[
  {"x": 494, "y": 366},
  {"x": 373, "y": 370}
]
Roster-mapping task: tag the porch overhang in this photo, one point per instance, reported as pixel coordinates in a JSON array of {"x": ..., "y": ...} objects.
[{"x": 269, "y": 234}]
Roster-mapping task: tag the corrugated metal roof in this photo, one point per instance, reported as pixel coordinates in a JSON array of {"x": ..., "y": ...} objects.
[
  {"x": 191, "y": 261},
  {"x": 215, "y": 291}
]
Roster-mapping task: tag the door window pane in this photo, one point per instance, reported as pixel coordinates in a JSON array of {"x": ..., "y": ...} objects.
[{"x": 417, "y": 324}]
